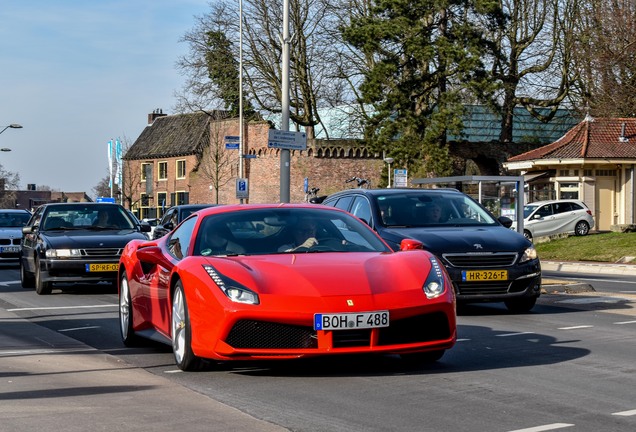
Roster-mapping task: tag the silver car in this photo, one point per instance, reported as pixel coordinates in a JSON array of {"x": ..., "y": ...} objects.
[
  {"x": 11, "y": 223},
  {"x": 546, "y": 218}
]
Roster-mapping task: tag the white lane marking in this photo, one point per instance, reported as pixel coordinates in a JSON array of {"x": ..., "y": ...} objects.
[
  {"x": 173, "y": 371},
  {"x": 78, "y": 328},
  {"x": 462, "y": 340},
  {"x": 44, "y": 351},
  {"x": 594, "y": 300},
  {"x": 625, "y": 413},
  {"x": 61, "y": 307},
  {"x": 513, "y": 334},
  {"x": 575, "y": 327},
  {"x": 547, "y": 427},
  {"x": 625, "y": 322},
  {"x": 7, "y": 283}
]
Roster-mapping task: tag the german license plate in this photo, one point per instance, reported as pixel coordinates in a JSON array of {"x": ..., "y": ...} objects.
[
  {"x": 9, "y": 249},
  {"x": 484, "y": 275},
  {"x": 349, "y": 321},
  {"x": 101, "y": 267}
]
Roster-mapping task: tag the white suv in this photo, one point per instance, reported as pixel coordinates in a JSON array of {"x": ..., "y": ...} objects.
[{"x": 546, "y": 218}]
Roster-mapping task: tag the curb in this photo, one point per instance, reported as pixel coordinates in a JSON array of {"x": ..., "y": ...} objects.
[{"x": 588, "y": 267}]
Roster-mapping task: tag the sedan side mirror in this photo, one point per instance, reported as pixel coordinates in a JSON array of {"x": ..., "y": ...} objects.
[{"x": 28, "y": 229}]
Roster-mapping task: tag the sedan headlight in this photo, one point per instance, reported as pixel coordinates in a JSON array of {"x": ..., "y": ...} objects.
[
  {"x": 231, "y": 288},
  {"x": 63, "y": 253},
  {"x": 529, "y": 254},
  {"x": 434, "y": 285}
]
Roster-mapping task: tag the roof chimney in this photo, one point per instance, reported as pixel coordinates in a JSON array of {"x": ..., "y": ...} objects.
[
  {"x": 155, "y": 115},
  {"x": 623, "y": 138}
]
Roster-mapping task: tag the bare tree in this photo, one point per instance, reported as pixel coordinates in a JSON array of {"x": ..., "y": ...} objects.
[
  {"x": 10, "y": 182},
  {"x": 531, "y": 59},
  {"x": 217, "y": 165},
  {"x": 311, "y": 69},
  {"x": 605, "y": 55}
]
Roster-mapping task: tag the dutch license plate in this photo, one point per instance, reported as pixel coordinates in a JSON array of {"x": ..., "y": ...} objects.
[
  {"x": 101, "y": 267},
  {"x": 10, "y": 249},
  {"x": 484, "y": 275},
  {"x": 349, "y": 321}
]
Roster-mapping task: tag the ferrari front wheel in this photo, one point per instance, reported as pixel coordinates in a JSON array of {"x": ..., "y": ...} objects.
[
  {"x": 128, "y": 335},
  {"x": 182, "y": 332}
]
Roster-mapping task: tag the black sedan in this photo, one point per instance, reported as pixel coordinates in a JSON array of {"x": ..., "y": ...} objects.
[
  {"x": 75, "y": 242},
  {"x": 173, "y": 217},
  {"x": 487, "y": 261}
]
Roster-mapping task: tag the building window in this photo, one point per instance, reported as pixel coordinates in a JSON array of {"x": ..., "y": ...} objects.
[
  {"x": 146, "y": 171},
  {"x": 569, "y": 190},
  {"x": 180, "y": 198},
  {"x": 144, "y": 206},
  {"x": 564, "y": 173},
  {"x": 162, "y": 203},
  {"x": 605, "y": 173},
  {"x": 163, "y": 171},
  {"x": 181, "y": 169},
  {"x": 588, "y": 173}
]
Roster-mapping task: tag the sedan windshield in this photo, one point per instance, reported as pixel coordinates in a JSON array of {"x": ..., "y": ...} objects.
[
  {"x": 96, "y": 217},
  {"x": 422, "y": 209}
]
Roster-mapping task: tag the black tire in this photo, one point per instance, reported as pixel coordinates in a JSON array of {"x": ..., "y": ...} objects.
[
  {"x": 521, "y": 305},
  {"x": 181, "y": 332},
  {"x": 581, "y": 228},
  {"x": 527, "y": 235},
  {"x": 26, "y": 278},
  {"x": 128, "y": 335},
  {"x": 423, "y": 357},
  {"x": 41, "y": 287}
]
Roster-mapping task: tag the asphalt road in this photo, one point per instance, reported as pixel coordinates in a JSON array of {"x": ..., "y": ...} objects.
[{"x": 566, "y": 365}]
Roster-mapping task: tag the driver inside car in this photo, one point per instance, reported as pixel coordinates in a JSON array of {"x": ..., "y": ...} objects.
[{"x": 304, "y": 237}]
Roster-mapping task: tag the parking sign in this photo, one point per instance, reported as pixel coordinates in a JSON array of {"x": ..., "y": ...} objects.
[{"x": 242, "y": 189}]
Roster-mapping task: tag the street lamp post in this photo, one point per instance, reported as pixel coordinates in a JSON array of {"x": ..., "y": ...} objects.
[
  {"x": 389, "y": 161},
  {"x": 12, "y": 126}
]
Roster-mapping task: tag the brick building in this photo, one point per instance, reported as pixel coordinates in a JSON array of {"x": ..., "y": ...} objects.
[{"x": 183, "y": 159}]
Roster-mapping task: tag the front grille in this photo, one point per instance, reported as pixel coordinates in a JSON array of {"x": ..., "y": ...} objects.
[
  {"x": 263, "y": 334},
  {"x": 421, "y": 328},
  {"x": 102, "y": 252},
  {"x": 14, "y": 242},
  {"x": 482, "y": 288},
  {"x": 491, "y": 260}
]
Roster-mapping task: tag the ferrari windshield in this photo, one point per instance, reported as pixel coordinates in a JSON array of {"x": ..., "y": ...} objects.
[{"x": 284, "y": 230}]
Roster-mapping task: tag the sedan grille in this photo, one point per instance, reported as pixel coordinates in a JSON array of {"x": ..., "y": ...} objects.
[
  {"x": 102, "y": 252},
  {"x": 497, "y": 259},
  {"x": 15, "y": 242}
]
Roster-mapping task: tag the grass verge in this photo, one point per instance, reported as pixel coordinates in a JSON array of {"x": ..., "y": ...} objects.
[{"x": 603, "y": 247}]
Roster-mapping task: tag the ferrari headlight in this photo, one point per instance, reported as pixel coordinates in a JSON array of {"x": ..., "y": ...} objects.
[
  {"x": 434, "y": 285},
  {"x": 231, "y": 288},
  {"x": 528, "y": 254},
  {"x": 62, "y": 253}
]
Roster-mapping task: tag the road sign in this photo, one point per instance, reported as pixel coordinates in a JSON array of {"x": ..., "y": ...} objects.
[
  {"x": 289, "y": 140},
  {"x": 242, "y": 188},
  {"x": 400, "y": 178},
  {"x": 105, "y": 200},
  {"x": 232, "y": 142}
]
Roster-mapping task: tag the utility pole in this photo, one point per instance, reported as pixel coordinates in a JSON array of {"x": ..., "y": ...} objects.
[{"x": 284, "y": 154}]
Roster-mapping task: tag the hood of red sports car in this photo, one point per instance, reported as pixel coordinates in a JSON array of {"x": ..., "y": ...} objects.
[{"x": 328, "y": 274}]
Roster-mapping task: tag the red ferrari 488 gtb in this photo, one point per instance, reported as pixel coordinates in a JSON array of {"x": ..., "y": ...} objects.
[{"x": 282, "y": 281}]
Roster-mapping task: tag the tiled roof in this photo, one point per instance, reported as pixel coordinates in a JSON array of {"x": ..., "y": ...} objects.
[
  {"x": 170, "y": 136},
  {"x": 480, "y": 125},
  {"x": 591, "y": 138}
]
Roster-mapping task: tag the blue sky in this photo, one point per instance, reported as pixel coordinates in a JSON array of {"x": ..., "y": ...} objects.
[{"x": 76, "y": 73}]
